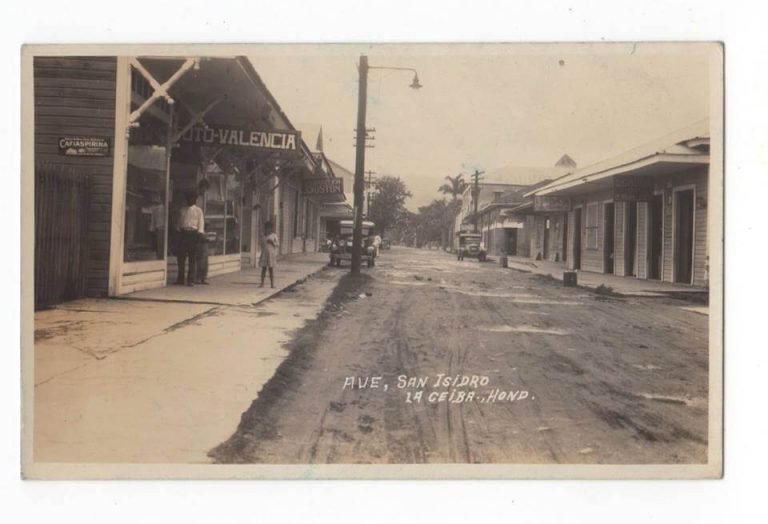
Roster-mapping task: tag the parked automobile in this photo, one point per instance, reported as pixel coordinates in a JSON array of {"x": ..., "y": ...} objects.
[
  {"x": 471, "y": 245},
  {"x": 341, "y": 248},
  {"x": 385, "y": 244}
]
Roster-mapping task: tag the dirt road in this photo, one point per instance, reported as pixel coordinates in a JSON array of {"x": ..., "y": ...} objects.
[{"x": 425, "y": 359}]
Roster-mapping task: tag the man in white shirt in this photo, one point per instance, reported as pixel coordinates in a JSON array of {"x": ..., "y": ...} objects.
[{"x": 191, "y": 227}]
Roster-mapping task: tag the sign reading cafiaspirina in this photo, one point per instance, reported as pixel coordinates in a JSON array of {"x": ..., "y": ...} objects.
[
  {"x": 287, "y": 141},
  {"x": 84, "y": 146}
]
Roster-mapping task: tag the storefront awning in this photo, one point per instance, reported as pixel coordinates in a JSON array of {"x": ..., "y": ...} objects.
[
  {"x": 342, "y": 211},
  {"x": 222, "y": 103}
]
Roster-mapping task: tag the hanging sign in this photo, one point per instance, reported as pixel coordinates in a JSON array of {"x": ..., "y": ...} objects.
[
  {"x": 629, "y": 188},
  {"x": 285, "y": 141},
  {"x": 551, "y": 203},
  {"x": 323, "y": 186},
  {"x": 83, "y": 145}
]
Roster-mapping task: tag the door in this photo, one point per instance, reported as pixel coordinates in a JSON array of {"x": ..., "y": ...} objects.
[
  {"x": 545, "y": 249},
  {"x": 683, "y": 241},
  {"x": 565, "y": 237},
  {"x": 577, "y": 238},
  {"x": 655, "y": 236},
  {"x": 511, "y": 247},
  {"x": 608, "y": 238},
  {"x": 630, "y": 239}
]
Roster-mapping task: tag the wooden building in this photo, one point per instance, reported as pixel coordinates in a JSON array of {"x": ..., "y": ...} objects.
[
  {"x": 119, "y": 141},
  {"x": 641, "y": 214}
]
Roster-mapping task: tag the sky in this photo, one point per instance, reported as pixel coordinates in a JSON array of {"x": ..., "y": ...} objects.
[{"x": 487, "y": 106}]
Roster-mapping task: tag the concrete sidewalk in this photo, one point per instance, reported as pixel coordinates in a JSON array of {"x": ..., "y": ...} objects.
[
  {"x": 628, "y": 286},
  {"x": 164, "y": 379},
  {"x": 240, "y": 288}
]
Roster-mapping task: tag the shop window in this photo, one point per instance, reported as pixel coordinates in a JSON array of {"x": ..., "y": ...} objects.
[
  {"x": 591, "y": 225},
  {"x": 296, "y": 214},
  {"x": 222, "y": 209},
  {"x": 145, "y": 195}
]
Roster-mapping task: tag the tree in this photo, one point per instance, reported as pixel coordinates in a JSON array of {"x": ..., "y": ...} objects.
[
  {"x": 432, "y": 224},
  {"x": 388, "y": 203},
  {"x": 455, "y": 187}
]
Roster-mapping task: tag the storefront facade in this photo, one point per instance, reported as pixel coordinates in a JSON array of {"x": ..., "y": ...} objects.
[
  {"x": 642, "y": 214},
  {"x": 145, "y": 132}
]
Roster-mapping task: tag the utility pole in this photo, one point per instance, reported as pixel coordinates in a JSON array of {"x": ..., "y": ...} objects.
[
  {"x": 476, "y": 193},
  {"x": 362, "y": 96},
  {"x": 369, "y": 188},
  {"x": 362, "y": 135}
]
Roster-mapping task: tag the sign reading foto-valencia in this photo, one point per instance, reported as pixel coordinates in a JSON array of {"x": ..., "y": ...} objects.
[{"x": 287, "y": 141}]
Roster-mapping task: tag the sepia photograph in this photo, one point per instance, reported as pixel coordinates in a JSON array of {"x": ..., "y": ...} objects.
[{"x": 372, "y": 260}]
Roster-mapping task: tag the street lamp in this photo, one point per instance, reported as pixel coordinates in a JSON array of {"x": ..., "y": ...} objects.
[{"x": 362, "y": 100}]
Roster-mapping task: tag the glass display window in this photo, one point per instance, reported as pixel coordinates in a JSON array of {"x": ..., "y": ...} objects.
[
  {"x": 222, "y": 209},
  {"x": 145, "y": 192}
]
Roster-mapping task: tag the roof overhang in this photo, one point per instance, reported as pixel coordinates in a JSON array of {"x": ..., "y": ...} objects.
[
  {"x": 336, "y": 210},
  {"x": 227, "y": 92},
  {"x": 657, "y": 164}
]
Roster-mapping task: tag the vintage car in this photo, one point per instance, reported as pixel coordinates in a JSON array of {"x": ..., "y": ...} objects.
[
  {"x": 470, "y": 245},
  {"x": 385, "y": 244},
  {"x": 341, "y": 248}
]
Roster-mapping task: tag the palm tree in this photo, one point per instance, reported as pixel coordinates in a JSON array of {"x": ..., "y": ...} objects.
[{"x": 456, "y": 186}]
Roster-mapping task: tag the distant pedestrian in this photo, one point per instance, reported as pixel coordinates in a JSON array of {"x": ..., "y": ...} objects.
[
  {"x": 376, "y": 244},
  {"x": 191, "y": 227},
  {"x": 268, "y": 257}
]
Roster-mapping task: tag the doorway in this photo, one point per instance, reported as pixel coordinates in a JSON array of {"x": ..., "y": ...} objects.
[
  {"x": 511, "y": 242},
  {"x": 655, "y": 236},
  {"x": 608, "y": 247},
  {"x": 683, "y": 242},
  {"x": 577, "y": 238},
  {"x": 630, "y": 239},
  {"x": 565, "y": 237}
]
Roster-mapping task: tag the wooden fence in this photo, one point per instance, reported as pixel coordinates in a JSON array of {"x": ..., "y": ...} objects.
[{"x": 61, "y": 235}]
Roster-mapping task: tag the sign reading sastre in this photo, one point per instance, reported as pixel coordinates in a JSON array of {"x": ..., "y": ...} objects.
[
  {"x": 551, "y": 203},
  {"x": 628, "y": 188},
  {"x": 267, "y": 140},
  {"x": 323, "y": 186}
]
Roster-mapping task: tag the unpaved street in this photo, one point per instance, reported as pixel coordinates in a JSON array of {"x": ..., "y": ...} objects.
[{"x": 556, "y": 375}]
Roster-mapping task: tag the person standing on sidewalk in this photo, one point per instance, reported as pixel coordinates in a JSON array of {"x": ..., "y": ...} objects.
[
  {"x": 202, "y": 246},
  {"x": 191, "y": 227},
  {"x": 202, "y": 260},
  {"x": 268, "y": 257},
  {"x": 376, "y": 243}
]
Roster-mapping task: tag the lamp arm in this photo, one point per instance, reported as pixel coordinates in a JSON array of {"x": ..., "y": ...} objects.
[{"x": 394, "y": 68}]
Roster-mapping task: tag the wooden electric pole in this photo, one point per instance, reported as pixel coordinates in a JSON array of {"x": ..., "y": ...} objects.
[
  {"x": 476, "y": 194},
  {"x": 369, "y": 190},
  {"x": 357, "y": 236}
]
